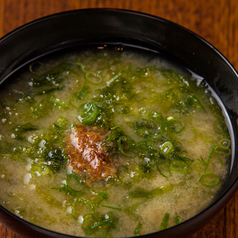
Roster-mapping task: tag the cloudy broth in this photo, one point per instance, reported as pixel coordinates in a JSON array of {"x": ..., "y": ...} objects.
[{"x": 110, "y": 143}]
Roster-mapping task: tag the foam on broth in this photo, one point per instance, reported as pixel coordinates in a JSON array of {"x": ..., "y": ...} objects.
[{"x": 171, "y": 148}]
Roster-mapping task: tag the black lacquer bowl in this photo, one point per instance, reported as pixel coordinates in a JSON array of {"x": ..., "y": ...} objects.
[{"x": 110, "y": 26}]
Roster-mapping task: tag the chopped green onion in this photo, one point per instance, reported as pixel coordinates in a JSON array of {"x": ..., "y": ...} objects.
[
  {"x": 69, "y": 191},
  {"x": 112, "y": 80},
  {"x": 89, "y": 113},
  {"x": 177, "y": 220},
  {"x": 149, "y": 194},
  {"x": 58, "y": 102},
  {"x": 137, "y": 229},
  {"x": 81, "y": 182},
  {"x": 219, "y": 126},
  {"x": 161, "y": 166},
  {"x": 73, "y": 208},
  {"x": 209, "y": 158},
  {"x": 89, "y": 203},
  {"x": 94, "y": 78},
  {"x": 167, "y": 148},
  {"x": 81, "y": 66},
  {"x": 72, "y": 181},
  {"x": 124, "y": 144},
  {"x": 215, "y": 109},
  {"x": 115, "y": 133},
  {"x": 78, "y": 96},
  {"x": 179, "y": 166},
  {"x": 142, "y": 145},
  {"x": 210, "y": 180},
  {"x": 90, "y": 224},
  {"x": 199, "y": 167},
  {"x": 132, "y": 210},
  {"x": 148, "y": 114},
  {"x": 41, "y": 171},
  {"x": 219, "y": 158},
  {"x": 165, "y": 222},
  {"x": 155, "y": 115},
  {"x": 222, "y": 150},
  {"x": 80, "y": 199},
  {"x": 175, "y": 125},
  {"x": 144, "y": 113},
  {"x": 197, "y": 101},
  {"x": 143, "y": 133},
  {"x": 106, "y": 222},
  {"x": 225, "y": 143},
  {"x": 26, "y": 127},
  {"x": 126, "y": 109}
]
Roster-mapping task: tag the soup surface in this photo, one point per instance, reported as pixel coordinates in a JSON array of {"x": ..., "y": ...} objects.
[{"x": 109, "y": 143}]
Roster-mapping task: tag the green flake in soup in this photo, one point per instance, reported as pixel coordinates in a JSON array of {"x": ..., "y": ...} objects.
[{"x": 110, "y": 143}]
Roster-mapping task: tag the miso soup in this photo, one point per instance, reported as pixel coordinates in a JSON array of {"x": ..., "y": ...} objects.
[{"x": 110, "y": 143}]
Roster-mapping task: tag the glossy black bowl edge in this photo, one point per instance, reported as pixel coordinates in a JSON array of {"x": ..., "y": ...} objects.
[{"x": 120, "y": 23}]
